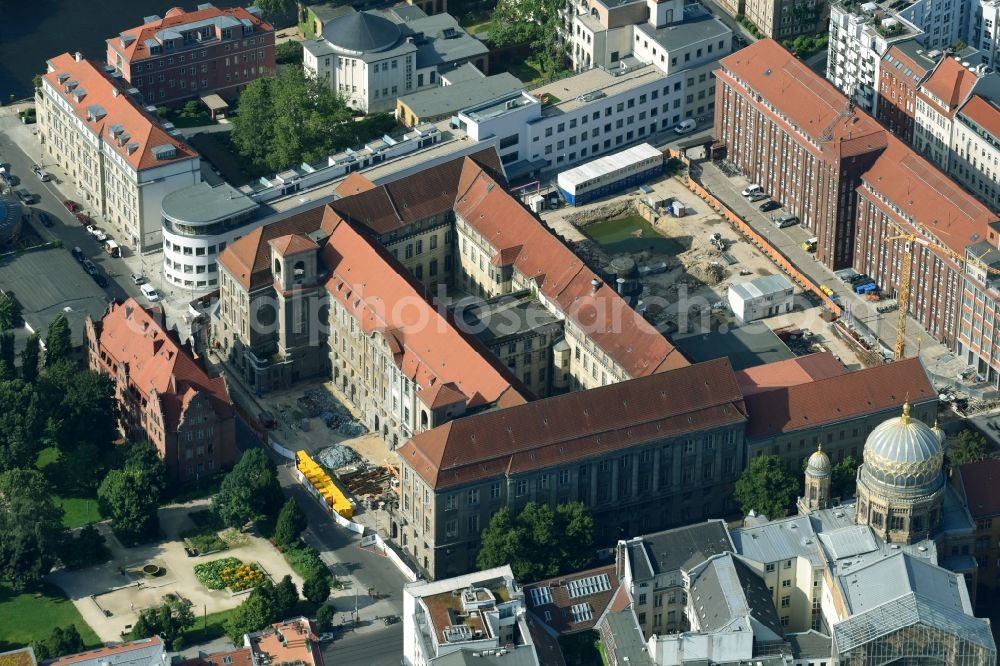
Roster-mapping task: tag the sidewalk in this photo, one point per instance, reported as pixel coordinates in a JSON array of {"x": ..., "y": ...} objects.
[{"x": 789, "y": 240}]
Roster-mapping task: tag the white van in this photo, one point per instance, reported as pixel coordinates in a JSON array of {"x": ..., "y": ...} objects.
[
  {"x": 685, "y": 126},
  {"x": 112, "y": 248},
  {"x": 149, "y": 291},
  {"x": 752, "y": 189}
]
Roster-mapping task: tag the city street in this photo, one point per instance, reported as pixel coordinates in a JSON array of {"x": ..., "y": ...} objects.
[{"x": 383, "y": 647}]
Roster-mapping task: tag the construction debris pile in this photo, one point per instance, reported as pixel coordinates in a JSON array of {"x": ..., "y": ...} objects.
[
  {"x": 337, "y": 456},
  {"x": 318, "y": 403}
]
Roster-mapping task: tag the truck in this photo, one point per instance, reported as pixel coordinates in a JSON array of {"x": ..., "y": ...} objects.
[{"x": 112, "y": 248}]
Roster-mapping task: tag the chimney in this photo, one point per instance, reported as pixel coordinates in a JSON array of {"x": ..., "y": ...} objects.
[
  {"x": 78, "y": 56},
  {"x": 116, "y": 92},
  {"x": 595, "y": 284}
]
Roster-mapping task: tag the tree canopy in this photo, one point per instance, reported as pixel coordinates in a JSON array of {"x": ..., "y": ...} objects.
[
  {"x": 21, "y": 424},
  {"x": 250, "y": 491},
  {"x": 129, "y": 497},
  {"x": 291, "y": 522},
  {"x": 540, "y": 542},
  {"x": 60, "y": 643},
  {"x": 970, "y": 447},
  {"x": 8, "y": 311},
  {"x": 765, "y": 487},
  {"x": 275, "y": 8},
  {"x": 535, "y": 22},
  {"x": 29, "y": 358},
  {"x": 844, "y": 478},
  {"x": 316, "y": 588},
  {"x": 169, "y": 620},
  {"x": 58, "y": 341},
  {"x": 30, "y": 527},
  {"x": 268, "y": 603}
]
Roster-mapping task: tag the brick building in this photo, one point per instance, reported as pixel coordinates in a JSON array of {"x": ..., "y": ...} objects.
[
  {"x": 799, "y": 138},
  {"x": 903, "y": 68},
  {"x": 194, "y": 54},
  {"x": 976, "y": 484},
  {"x": 164, "y": 395}
]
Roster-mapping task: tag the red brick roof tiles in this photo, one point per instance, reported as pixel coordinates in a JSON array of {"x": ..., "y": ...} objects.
[
  {"x": 156, "y": 362},
  {"x": 789, "y": 372},
  {"x": 984, "y": 113},
  {"x": 379, "y": 293},
  {"x": 980, "y": 481},
  {"x": 577, "y": 425},
  {"x": 837, "y": 398},
  {"x": 135, "y": 50},
  {"x": 354, "y": 183},
  {"x": 951, "y": 83},
  {"x": 292, "y": 244},
  {"x": 819, "y": 109},
  {"x": 142, "y": 130},
  {"x": 240, "y": 657}
]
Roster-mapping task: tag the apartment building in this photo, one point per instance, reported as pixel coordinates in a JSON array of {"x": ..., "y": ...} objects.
[
  {"x": 373, "y": 57},
  {"x": 939, "y": 98},
  {"x": 786, "y": 19},
  {"x": 164, "y": 394},
  {"x": 185, "y": 54},
  {"x": 799, "y": 138},
  {"x": 667, "y": 454},
  {"x": 120, "y": 159},
  {"x": 861, "y": 33},
  {"x": 903, "y": 68}
]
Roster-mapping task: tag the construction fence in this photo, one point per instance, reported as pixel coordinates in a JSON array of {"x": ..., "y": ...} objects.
[{"x": 319, "y": 483}]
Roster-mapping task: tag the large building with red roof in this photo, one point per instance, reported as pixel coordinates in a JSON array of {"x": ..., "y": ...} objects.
[
  {"x": 211, "y": 50},
  {"x": 164, "y": 394},
  {"x": 977, "y": 485},
  {"x": 118, "y": 156}
]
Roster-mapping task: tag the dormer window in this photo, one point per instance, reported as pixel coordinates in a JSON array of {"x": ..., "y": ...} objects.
[
  {"x": 168, "y": 45},
  {"x": 227, "y": 33},
  {"x": 154, "y": 50}
]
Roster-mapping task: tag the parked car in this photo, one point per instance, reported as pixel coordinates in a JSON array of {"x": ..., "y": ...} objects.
[
  {"x": 71, "y": 206},
  {"x": 84, "y": 218},
  {"x": 751, "y": 189},
  {"x": 149, "y": 291},
  {"x": 757, "y": 196},
  {"x": 92, "y": 229},
  {"x": 42, "y": 174},
  {"x": 138, "y": 278},
  {"x": 786, "y": 220},
  {"x": 770, "y": 205},
  {"x": 78, "y": 254},
  {"x": 101, "y": 281},
  {"x": 44, "y": 219},
  {"x": 26, "y": 197},
  {"x": 100, "y": 236},
  {"x": 89, "y": 266},
  {"x": 685, "y": 126}
]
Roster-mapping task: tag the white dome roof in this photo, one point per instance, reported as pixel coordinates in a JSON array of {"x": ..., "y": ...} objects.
[
  {"x": 904, "y": 453},
  {"x": 819, "y": 465}
]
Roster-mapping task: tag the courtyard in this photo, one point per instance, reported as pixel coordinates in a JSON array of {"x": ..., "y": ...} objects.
[{"x": 111, "y": 596}]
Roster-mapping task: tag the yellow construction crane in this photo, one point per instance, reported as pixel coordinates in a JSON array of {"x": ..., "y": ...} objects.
[{"x": 903, "y": 295}]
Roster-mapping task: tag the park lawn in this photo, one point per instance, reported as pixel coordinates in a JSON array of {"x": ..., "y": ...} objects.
[
  {"x": 78, "y": 511},
  {"x": 27, "y": 617}
]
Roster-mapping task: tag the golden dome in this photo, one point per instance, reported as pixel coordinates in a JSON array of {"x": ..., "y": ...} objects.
[
  {"x": 905, "y": 454},
  {"x": 819, "y": 466}
]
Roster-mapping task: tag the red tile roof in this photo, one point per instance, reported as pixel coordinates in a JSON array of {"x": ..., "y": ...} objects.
[
  {"x": 933, "y": 202},
  {"x": 156, "y": 362},
  {"x": 381, "y": 295},
  {"x": 984, "y": 113},
  {"x": 120, "y": 112},
  {"x": 577, "y": 425},
  {"x": 842, "y": 397},
  {"x": 816, "y": 107},
  {"x": 556, "y": 600},
  {"x": 980, "y": 481},
  {"x": 562, "y": 277},
  {"x": 951, "y": 83},
  {"x": 107, "y": 651},
  {"x": 240, "y": 657},
  {"x": 177, "y": 19},
  {"x": 354, "y": 183},
  {"x": 290, "y": 642},
  {"x": 291, "y": 244},
  {"x": 789, "y": 372}
]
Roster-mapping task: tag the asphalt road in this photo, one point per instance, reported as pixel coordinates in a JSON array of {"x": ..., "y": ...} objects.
[
  {"x": 65, "y": 226},
  {"x": 383, "y": 647}
]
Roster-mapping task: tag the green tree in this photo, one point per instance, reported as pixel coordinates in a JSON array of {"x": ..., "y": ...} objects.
[
  {"x": 288, "y": 119},
  {"x": 85, "y": 549},
  {"x": 844, "y": 478},
  {"x": 324, "y": 617},
  {"x": 8, "y": 311},
  {"x": 170, "y": 620},
  {"x": 30, "y": 525},
  {"x": 144, "y": 457},
  {"x": 8, "y": 370},
  {"x": 287, "y": 53},
  {"x": 971, "y": 447},
  {"x": 59, "y": 643},
  {"x": 316, "y": 588},
  {"x": 130, "y": 499},
  {"x": 536, "y": 22},
  {"x": 275, "y": 8},
  {"x": 250, "y": 491},
  {"x": 285, "y": 597},
  {"x": 539, "y": 542},
  {"x": 29, "y": 358},
  {"x": 765, "y": 487},
  {"x": 21, "y": 424},
  {"x": 58, "y": 341},
  {"x": 255, "y": 613},
  {"x": 291, "y": 522}
]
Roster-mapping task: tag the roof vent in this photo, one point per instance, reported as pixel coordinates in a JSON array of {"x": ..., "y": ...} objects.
[
  {"x": 595, "y": 284},
  {"x": 115, "y": 130},
  {"x": 115, "y": 92},
  {"x": 79, "y": 94},
  {"x": 61, "y": 78},
  {"x": 78, "y": 56},
  {"x": 131, "y": 148}
]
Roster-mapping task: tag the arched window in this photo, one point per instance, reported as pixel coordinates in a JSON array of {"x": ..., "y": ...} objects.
[
  {"x": 277, "y": 268},
  {"x": 299, "y": 270}
]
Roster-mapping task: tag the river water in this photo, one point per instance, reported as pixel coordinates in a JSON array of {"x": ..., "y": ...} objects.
[{"x": 32, "y": 31}]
